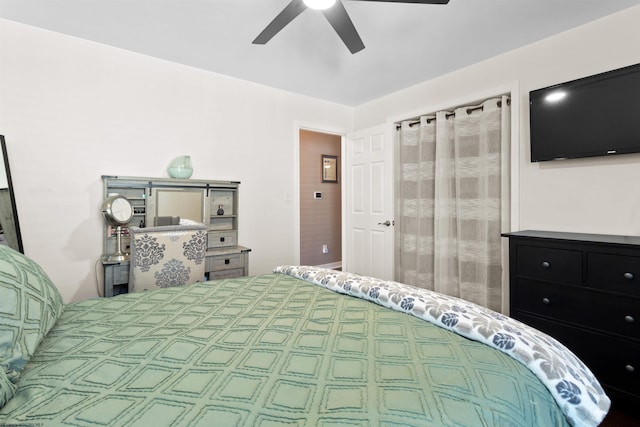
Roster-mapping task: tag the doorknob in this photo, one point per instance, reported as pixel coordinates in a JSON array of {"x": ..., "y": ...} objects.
[{"x": 387, "y": 223}]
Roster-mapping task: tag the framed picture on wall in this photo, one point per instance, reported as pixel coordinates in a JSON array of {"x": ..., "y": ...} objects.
[{"x": 329, "y": 168}]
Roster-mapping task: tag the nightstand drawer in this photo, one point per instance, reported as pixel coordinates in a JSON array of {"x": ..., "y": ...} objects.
[
  {"x": 224, "y": 262},
  {"x": 226, "y": 274},
  {"x": 221, "y": 239},
  {"x": 553, "y": 265},
  {"x": 117, "y": 274},
  {"x": 618, "y": 273},
  {"x": 120, "y": 274}
]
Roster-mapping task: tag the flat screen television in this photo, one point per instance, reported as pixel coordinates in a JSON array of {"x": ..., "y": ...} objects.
[{"x": 592, "y": 116}]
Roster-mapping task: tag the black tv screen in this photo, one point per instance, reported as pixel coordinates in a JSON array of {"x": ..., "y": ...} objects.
[{"x": 593, "y": 116}]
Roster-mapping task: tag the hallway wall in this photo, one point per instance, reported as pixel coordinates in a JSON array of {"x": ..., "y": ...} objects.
[{"x": 320, "y": 219}]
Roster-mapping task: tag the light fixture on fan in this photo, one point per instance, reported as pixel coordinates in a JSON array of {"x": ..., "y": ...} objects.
[
  {"x": 319, "y": 4},
  {"x": 117, "y": 211}
]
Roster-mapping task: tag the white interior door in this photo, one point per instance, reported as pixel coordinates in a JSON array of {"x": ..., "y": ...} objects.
[{"x": 369, "y": 203}]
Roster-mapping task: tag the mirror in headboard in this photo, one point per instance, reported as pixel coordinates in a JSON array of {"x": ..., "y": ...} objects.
[
  {"x": 9, "y": 225},
  {"x": 186, "y": 203}
]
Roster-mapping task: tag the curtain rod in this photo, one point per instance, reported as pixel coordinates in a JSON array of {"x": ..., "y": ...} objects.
[{"x": 469, "y": 110}]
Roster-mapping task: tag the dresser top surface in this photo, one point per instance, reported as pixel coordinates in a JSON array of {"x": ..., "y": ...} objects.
[{"x": 576, "y": 237}]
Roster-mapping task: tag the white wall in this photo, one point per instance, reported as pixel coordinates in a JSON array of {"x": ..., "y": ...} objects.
[
  {"x": 598, "y": 195},
  {"x": 73, "y": 110}
]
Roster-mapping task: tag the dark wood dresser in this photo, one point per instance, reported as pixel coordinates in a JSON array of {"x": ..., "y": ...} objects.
[{"x": 584, "y": 290}]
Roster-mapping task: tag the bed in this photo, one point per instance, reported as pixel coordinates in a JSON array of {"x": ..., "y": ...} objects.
[{"x": 300, "y": 347}]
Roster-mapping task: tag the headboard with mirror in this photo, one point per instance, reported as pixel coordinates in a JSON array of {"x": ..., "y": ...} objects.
[{"x": 9, "y": 224}]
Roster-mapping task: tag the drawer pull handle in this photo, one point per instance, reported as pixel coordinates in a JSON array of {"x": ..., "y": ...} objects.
[
  {"x": 629, "y": 319},
  {"x": 222, "y": 239},
  {"x": 546, "y": 300},
  {"x": 628, "y": 276},
  {"x": 630, "y": 368},
  {"x": 546, "y": 264},
  {"x": 226, "y": 261}
]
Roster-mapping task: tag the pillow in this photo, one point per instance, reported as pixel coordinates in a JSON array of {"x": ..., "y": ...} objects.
[
  {"x": 7, "y": 389},
  {"x": 30, "y": 305}
]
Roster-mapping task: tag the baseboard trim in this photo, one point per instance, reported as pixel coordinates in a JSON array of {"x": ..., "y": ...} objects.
[{"x": 332, "y": 266}]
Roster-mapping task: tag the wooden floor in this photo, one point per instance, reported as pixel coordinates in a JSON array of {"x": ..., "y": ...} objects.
[{"x": 620, "y": 418}]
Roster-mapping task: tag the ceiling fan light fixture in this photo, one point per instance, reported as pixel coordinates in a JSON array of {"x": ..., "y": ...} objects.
[{"x": 319, "y": 4}]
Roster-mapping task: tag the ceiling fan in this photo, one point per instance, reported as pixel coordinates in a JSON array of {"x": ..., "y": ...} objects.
[{"x": 335, "y": 13}]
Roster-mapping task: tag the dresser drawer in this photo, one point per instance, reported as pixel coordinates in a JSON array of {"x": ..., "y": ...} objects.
[
  {"x": 221, "y": 239},
  {"x": 618, "y": 273},
  {"x": 615, "y": 362},
  {"x": 553, "y": 265},
  {"x": 579, "y": 306},
  {"x": 552, "y": 300},
  {"x": 619, "y": 315}
]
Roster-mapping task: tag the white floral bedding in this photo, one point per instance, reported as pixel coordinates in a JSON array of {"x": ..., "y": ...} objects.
[{"x": 574, "y": 387}]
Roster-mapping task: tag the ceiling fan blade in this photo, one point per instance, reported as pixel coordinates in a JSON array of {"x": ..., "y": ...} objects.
[
  {"x": 288, "y": 14},
  {"x": 412, "y": 1},
  {"x": 340, "y": 21}
]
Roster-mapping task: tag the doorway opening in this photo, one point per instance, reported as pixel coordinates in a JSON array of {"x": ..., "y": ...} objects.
[{"x": 320, "y": 199}]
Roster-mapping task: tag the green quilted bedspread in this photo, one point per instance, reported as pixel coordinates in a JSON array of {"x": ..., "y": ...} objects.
[{"x": 269, "y": 350}]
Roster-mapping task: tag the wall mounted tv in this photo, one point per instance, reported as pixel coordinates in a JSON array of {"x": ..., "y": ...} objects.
[{"x": 593, "y": 116}]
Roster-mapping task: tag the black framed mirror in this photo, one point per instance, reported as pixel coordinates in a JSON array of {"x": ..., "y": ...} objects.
[{"x": 9, "y": 225}]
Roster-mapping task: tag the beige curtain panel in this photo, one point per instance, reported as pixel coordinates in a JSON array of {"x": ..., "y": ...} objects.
[{"x": 452, "y": 201}]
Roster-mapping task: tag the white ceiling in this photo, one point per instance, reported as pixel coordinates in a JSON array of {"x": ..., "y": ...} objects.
[{"x": 405, "y": 43}]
